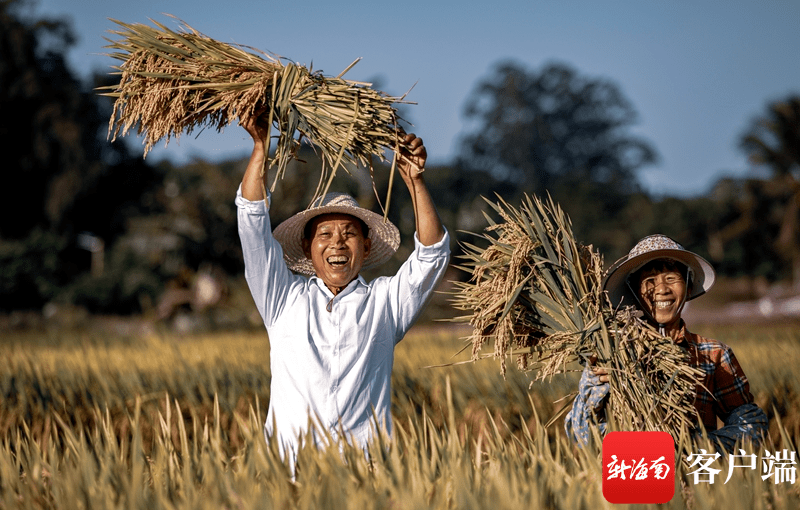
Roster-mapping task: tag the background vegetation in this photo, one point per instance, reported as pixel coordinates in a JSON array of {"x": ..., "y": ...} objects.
[{"x": 108, "y": 232}]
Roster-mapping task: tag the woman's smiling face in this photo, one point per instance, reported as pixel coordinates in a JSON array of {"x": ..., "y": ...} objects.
[
  {"x": 662, "y": 292},
  {"x": 337, "y": 248}
]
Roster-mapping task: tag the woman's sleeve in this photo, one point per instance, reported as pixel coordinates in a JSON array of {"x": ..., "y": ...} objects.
[
  {"x": 587, "y": 408},
  {"x": 747, "y": 422}
]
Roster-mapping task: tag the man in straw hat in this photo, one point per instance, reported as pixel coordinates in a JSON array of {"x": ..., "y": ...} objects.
[
  {"x": 658, "y": 276},
  {"x": 332, "y": 334}
]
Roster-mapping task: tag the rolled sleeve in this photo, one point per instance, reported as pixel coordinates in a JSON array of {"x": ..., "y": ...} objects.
[
  {"x": 413, "y": 285},
  {"x": 435, "y": 251}
]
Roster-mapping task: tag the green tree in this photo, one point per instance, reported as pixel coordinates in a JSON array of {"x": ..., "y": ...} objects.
[
  {"x": 37, "y": 94},
  {"x": 536, "y": 128},
  {"x": 744, "y": 222},
  {"x": 53, "y": 129},
  {"x": 556, "y": 131},
  {"x": 61, "y": 175},
  {"x": 773, "y": 141}
]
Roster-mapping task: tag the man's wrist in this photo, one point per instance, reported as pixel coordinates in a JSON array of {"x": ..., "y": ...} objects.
[{"x": 258, "y": 148}]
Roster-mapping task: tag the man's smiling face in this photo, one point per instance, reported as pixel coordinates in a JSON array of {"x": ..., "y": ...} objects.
[
  {"x": 337, "y": 247},
  {"x": 662, "y": 292}
]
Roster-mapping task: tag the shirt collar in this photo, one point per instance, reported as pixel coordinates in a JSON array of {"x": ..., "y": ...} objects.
[
  {"x": 347, "y": 290},
  {"x": 685, "y": 337}
]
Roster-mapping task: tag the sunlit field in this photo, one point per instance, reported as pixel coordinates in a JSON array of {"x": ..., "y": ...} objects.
[{"x": 169, "y": 421}]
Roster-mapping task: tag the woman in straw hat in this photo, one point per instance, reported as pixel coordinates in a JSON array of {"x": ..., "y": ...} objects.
[
  {"x": 332, "y": 334},
  {"x": 658, "y": 276}
]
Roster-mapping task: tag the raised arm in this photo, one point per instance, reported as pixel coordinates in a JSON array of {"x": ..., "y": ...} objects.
[
  {"x": 253, "y": 183},
  {"x": 411, "y": 163},
  {"x": 264, "y": 268}
]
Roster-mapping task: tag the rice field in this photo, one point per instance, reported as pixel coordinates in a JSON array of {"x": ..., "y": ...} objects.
[{"x": 89, "y": 420}]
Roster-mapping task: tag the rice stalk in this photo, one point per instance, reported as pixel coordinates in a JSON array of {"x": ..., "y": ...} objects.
[
  {"x": 536, "y": 294},
  {"x": 173, "y": 82}
]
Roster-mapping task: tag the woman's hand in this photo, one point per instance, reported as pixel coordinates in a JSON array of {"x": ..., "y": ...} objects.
[{"x": 600, "y": 372}]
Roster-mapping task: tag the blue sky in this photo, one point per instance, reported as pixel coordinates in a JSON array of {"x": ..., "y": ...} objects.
[{"x": 696, "y": 71}]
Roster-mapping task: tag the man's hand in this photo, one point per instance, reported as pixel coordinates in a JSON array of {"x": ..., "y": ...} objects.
[
  {"x": 256, "y": 126},
  {"x": 411, "y": 163},
  {"x": 413, "y": 155}
]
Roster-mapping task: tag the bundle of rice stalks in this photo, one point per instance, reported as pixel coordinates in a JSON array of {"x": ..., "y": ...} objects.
[
  {"x": 174, "y": 81},
  {"x": 536, "y": 294}
]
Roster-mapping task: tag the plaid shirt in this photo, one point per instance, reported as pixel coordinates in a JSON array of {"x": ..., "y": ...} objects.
[
  {"x": 724, "y": 386},
  {"x": 724, "y": 392}
]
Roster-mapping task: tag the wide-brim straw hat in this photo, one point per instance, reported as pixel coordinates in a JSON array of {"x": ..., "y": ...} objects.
[
  {"x": 384, "y": 235},
  {"x": 650, "y": 248}
]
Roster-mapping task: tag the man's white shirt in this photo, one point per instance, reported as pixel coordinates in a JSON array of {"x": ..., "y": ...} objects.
[{"x": 331, "y": 357}]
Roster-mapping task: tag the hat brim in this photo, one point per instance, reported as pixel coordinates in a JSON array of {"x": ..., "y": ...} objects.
[
  {"x": 384, "y": 235},
  {"x": 616, "y": 279}
]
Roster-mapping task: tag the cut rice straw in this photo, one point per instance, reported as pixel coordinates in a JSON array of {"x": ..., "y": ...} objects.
[
  {"x": 536, "y": 294},
  {"x": 171, "y": 82}
]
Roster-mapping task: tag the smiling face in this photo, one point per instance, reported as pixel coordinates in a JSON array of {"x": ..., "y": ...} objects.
[
  {"x": 662, "y": 291},
  {"x": 337, "y": 248}
]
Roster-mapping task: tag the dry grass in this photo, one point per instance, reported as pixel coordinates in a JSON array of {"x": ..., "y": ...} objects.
[
  {"x": 536, "y": 294},
  {"x": 173, "y": 82},
  {"x": 153, "y": 435}
]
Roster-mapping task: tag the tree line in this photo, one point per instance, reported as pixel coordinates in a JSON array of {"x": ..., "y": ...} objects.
[{"x": 70, "y": 194}]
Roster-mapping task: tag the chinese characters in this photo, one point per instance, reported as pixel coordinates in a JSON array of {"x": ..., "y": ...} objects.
[{"x": 781, "y": 466}]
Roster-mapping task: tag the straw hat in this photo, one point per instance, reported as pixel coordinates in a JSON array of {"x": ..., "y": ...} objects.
[
  {"x": 384, "y": 235},
  {"x": 650, "y": 248}
]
